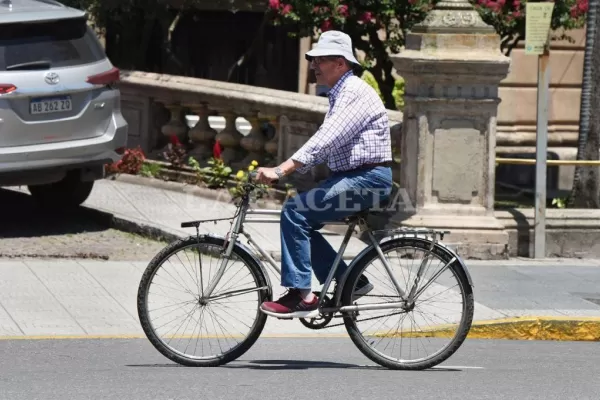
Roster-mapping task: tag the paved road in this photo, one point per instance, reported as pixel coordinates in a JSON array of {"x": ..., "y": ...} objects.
[
  {"x": 295, "y": 368},
  {"x": 28, "y": 231}
]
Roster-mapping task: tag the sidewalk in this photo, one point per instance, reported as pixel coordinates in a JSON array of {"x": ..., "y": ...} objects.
[
  {"x": 94, "y": 298},
  {"x": 86, "y": 298},
  {"x": 167, "y": 209}
]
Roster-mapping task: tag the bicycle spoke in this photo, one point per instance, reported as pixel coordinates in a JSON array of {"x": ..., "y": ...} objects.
[
  {"x": 186, "y": 325},
  {"x": 424, "y": 330}
]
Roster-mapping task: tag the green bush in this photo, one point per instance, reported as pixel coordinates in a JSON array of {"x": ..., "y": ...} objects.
[{"x": 398, "y": 91}]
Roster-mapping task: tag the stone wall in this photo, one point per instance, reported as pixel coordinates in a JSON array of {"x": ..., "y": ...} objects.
[{"x": 156, "y": 106}]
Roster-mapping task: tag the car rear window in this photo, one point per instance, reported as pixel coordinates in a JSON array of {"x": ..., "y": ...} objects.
[{"x": 63, "y": 43}]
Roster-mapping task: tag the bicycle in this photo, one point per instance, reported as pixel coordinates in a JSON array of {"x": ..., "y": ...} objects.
[{"x": 341, "y": 303}]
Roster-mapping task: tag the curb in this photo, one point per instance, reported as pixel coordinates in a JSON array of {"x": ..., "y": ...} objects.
[
  {"x": 539, "y": 328},
  {"x": 134, "y": 225},
  {"x": 526, "y": 328}
]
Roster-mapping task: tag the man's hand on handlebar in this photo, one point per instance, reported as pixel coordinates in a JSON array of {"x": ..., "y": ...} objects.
[{"x": 266, "y": 175}]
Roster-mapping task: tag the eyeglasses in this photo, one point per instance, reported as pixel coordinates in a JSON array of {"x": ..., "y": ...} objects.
[{"x": 319, "y": 59}]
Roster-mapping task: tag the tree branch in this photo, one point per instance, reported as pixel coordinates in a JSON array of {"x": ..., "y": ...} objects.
[
  {"x": 384, "y": 68},
  {"x": 508, "y": 46},
  {"x": 258, "y": 39}
]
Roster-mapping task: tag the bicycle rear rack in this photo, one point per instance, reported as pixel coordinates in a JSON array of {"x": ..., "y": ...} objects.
[{"x": 412, "y": 232}]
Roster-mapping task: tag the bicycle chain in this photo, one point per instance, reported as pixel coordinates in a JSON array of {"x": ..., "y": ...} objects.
[{"x": 366, "y": 319}]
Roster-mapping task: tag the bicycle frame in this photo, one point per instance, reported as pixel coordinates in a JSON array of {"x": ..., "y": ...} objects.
[{"x": 238, "y": 228}]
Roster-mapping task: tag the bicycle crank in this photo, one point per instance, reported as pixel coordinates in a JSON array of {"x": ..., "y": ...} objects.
[{"x": 321, "y": 321}]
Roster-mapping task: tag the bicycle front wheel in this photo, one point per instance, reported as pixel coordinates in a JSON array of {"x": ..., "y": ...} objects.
[
  {"x": 193, "y": 329},
  {"x": 419, "y": 336}
]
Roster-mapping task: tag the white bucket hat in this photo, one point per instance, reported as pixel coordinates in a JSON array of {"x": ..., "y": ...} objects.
[{"x": 333, "y": 43}]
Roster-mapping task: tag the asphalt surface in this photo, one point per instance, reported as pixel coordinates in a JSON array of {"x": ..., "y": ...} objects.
[
  {"x": 295, "y": 368},
  {"x": 30, "y": 231}
]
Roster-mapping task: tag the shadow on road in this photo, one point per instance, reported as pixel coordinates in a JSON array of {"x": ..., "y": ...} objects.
[
  {"x": 21, "y": 217},
  {"x": 278, "y": 365}
]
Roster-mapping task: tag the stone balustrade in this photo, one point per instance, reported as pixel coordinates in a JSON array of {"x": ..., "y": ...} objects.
[{"x": 158, "y": 106}]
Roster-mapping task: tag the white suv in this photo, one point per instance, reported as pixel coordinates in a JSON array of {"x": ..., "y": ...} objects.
[{"x": 60, "y": 114}]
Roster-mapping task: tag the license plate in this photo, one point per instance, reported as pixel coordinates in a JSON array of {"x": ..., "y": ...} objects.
[{"x": 50, "y": 105}]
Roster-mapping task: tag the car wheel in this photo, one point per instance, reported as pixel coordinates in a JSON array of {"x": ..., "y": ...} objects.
[{"x": 67, "y": 193}]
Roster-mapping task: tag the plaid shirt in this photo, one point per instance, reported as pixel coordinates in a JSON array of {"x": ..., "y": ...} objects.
[{"x": 355, "y": 130}]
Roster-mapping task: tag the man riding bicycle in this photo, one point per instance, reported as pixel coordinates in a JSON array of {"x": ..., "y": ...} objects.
[{"x": 354, "y": 140}]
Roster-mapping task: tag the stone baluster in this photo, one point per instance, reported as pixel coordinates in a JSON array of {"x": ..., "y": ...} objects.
[
  {"x": 202, "y": 135},
  {"x": 176, "y": 125},
  {"x": 254, "y": 142},
  {"x": 229, "y": 139}
]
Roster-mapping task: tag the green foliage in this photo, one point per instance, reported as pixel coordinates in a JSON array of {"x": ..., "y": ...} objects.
[
  {"x": 559, "y": 203},
  {"x": 150, "y": 170},
  {"x": 397, "y": 92},
  {"x": 216, "y": 174},
  {"x": 370, "y": 79}
]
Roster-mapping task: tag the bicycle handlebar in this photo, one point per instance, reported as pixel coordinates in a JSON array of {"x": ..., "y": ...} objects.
[{"x": 252, "y": 178}]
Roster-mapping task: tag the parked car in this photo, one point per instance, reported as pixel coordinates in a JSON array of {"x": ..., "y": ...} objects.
[{"x": 60, "y": 114}]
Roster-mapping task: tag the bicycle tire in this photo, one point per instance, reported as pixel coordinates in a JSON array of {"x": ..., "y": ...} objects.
[
  {"x": 468, "y": 308},
  {"x": 155, "y": 264}
]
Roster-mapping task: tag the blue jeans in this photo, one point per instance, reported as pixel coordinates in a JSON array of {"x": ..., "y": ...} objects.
[{"x": 341, "y": 195}]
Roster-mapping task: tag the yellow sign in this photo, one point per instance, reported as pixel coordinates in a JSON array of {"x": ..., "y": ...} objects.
[{"x": 537, "y": 26}]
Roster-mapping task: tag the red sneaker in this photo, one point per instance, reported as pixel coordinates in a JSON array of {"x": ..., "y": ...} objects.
[{"x": 291, "y": 305}]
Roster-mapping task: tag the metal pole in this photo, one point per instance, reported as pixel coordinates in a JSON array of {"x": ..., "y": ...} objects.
[{"x": 541, "y": 151}]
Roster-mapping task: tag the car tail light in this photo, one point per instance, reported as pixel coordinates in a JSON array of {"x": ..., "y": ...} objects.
[
  {"x": 6, "y": 88},
  {"x": 105, "y": 78}
]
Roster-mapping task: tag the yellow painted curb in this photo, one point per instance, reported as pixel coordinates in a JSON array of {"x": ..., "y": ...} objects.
[
  {"x": 523, "y": 328},
  {"x": 539, "y": 328},
  {"x": 518, "y": 328}
]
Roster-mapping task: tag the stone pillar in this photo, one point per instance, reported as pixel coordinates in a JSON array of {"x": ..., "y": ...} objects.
[{"x": 452, "y": 66}]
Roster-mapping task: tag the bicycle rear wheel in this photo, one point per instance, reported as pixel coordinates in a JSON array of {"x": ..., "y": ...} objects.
[
  {"x": 189, "y": 329},
  {"x": 417, "y": 338}
]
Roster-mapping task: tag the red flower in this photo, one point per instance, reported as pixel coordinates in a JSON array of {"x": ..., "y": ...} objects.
[
  {"x": 274, "y": 4},
  {"x": 175, "y": 140},
  {"x": 217, "y": 150},
  {"x": 343, "y": 10},
  {"x": 326, "y": 25},
  {"x": 367, "y": 17},
  {"x": 286, "y": 9}
]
